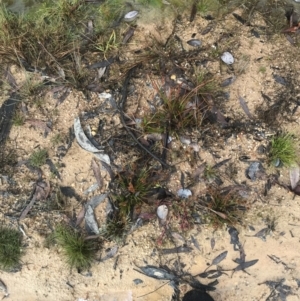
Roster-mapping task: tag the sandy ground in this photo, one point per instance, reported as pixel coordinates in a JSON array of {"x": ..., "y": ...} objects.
[{"x": 44, "y": 274}]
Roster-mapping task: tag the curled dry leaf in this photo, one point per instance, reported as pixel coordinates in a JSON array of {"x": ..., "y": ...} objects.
[
  {"x": 128, "y": 35},
  {"x": 195, "y": 242},
  {"x": 90, "y": 221},
  {"x": 177, "y": 237},
  {"x": 96, "y": 200},
  {"x": 176, "y": 250},
  {"x": 97, "y": 173},
  {"x": 103, "y": 158},
  {"x": 40, "y": 124},
  {"x": 111, "y": 253},
  {"x": 3, "y": 288},
  {"x": 82, "y": 139},
  {"x": 199, "y": 171},
  {"x": 294, "y": 176},
  {"x": 245, "y": 107},
  {"x": 157, "y": 273},
  {"x": 42, "y": 190},
  {"x": 80, "y": 216},
  {"x": 92, "y": 188},
  {"x": 86, "y": 144}
]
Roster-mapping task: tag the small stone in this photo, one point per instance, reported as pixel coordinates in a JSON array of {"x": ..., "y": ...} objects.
[
  {"x": 227, "y": 58},
  {"x": 137, "y": 281}
]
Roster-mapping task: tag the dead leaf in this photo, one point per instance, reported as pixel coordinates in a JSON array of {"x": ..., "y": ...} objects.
[
  {"x": 222, "y": 215},
  {"x": 219, "y": 258},
  {"x": 131, "y": 188},
  {"x": 42, "y": 190},
  {"x": 90, "y": 221},
  {"x": 96, "y": 200},
  {"x": 199, "y": 171},
  {"x": 294, "y": 176},
  {"x": 80, "y": 216},
  {"x": 97, "y": 173},
  {"x": 43, "y": 125},
  {"x": 245, "y": 107}
]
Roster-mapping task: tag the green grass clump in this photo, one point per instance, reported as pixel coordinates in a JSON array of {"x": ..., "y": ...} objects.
[
  {"x": 38, "y": 158},
  {"x": 283, "y": 150},
  {"x": 10, "y": 247},
  {"x": 78, "y": 251}
]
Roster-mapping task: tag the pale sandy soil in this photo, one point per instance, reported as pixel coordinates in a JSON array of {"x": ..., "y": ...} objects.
[{"x": 44, "y": 274}]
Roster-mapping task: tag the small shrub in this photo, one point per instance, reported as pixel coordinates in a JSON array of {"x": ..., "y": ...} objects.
[
  {"x": 10, "y": 247},
  {"x": 282, "y": 150},
  {"x": 78, "y": 251}
]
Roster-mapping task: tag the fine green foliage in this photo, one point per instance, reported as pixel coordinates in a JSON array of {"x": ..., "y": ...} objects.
[
  {"x": 10, "y": 247},
  {"x": 206, "y": 6},
  {"x": 210, "y": 173},
  {"x": 38, "y": 158},
  {"x": 56, "y": 139},
  {"x": 18, "y": 119},
  {"x": 78, "y": 251},
  {"x": 108, "y": 45},
  {"x": 283, "y": 150},
  {"x": 111, "y": 12},
  {"x": 262, "y": 69}
]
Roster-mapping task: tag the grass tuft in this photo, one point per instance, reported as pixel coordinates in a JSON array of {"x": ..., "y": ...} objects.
[
  {"x": 78, "y": 251},
  {"x": 38, "y": 158},
  {"x": 134, "y": 185},
  {"x": 10, "y": 247},
  {"x": 224, "y": 207},
  {"x": 176, "y": 114},
  {"x": 117, "y": 227},
  {"x": 283, "y": 150},
  {"x": 18, "y": 119}
]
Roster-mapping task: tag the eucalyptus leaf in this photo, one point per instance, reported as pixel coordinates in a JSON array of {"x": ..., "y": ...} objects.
[{"x": 219, "y": 258}]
